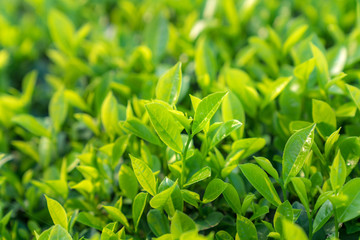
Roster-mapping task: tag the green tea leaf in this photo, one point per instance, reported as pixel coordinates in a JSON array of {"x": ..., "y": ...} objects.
[
  {"x": 206, "y": 110},
  {"x": 165, "y": 126},
  {"x": 222, "y": 235},
  {"x": 175, "y": 202},
  {"x": 190, "y": 197},
  {"x": 354, "y": 93},
  {"x": 57, "y": 213},
  {"x": 138, "y": 208},
  {"x": 160, "y": 199},
  {"x": 338, "y": 172},
  {"x": 296, "y": 150},
  {"x": 261, "y": 182},
  {"x": 90, "y": 220},
  {"x": 194, "y": 102},
  {"x": 250, "y": 145},
  {"x": 58, "y": 109},
  {"x": 321, "y": 65},
  {"x": 223, "y": 131},
  {"x": 267, "y": 166},
  {"x": 293, "y": 231},
  {"x": 348, "y": 201},
  {"x": 272, "y": 89},
  {"x": 232, "y": 108},
  {"x": 324, "y": 214},
  {"x": 182, "y": 119},
  {"x": 31, "y": 124},
  {"x": 127, "y": 181},
  {"x": 303, "y": 70},
  {"x": 138, "y": 128},
  {"x": 199, "y": 176},
  {"x": 117, "y": 215},
  {"x": 205, "y": 63},
  {"x": 157, "y": 35},
  {"x": 324, "y": 117},
  {"x": 59, "y": 233},
  {"x": 110, "y": 114},
  {"x": 88, "y": 121},
  {"x": 62, "y": 31},
  {"x": 169, "y": 85},
  {"x": 350, "y": 150},
  {"x": 240, "y": 83},
  {"x": 180, "y": 224},
  {"x": 332, "y": 139},
  {"x": 29, "y": 84},
  {"x": 261, "y": 211},
  {"x": 211, "y": 220},
  {"x": 214, "y": 189},
  {"x": 294, "y": 38},
  {"x": 247, "y": 202},
  {"x": 232, "y": 198},
  {"x": 284, "y": 211},
  {"x": 245, "y": 228},
  {"x": 74, "y": 99},
  {"x": 158, "y": 222},
  {"x": 301, "y": 192},
  {"x": 144, "y": 175}
]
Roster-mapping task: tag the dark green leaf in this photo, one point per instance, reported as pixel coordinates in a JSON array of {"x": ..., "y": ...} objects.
[{"x": 245, "y": 228}]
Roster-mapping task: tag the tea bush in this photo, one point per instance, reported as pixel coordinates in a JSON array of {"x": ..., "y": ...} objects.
[{"x": 169, "y": 119}]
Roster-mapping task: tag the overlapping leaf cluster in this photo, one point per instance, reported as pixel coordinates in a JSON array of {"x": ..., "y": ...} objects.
[{"x": 173, "y": 119}]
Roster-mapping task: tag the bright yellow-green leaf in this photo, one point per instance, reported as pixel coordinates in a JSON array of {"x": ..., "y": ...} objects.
[
  {"x": 206, "y": 110},
  {"x": 110, "y": 115},
  {"x": 300, "y": 190},
  {"x": 31, "y": 124},
  {"x": 293, "y": 231},
  {"x": 232, "y": 108},
  {"x": 296, "y": 150},
  {"x": 169, "y": 85},
  {"x": 294, "y": 38},
  {"x": 160, "y": 199},
  {"x": 58, "y": 109},
  {"x": 165, "y": 126},
  {"x": 138, "y": 208},
  {"x": 354, "y": 94},
  {"x": 57, "y": 213},
  {"x": 144, "y": 175},
  {"x": 117, "y": 215},
  {"x": 261, "y": 182},
  {"x": 338, "y": 172},
  {"x": 324, "y": 117},
  {"x": 138, "y": 128}
]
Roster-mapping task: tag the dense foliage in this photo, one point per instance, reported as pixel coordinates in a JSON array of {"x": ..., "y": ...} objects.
[{"x": 179, "y": 119}]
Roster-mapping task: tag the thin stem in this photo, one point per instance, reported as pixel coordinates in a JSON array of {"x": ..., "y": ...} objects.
[
  {"x": 336, "y": 225},
  {"x": 283, "y": 190},
  {"x": 183, "y": 158},
  {"x": 205, "y": 149},
  {"x": 310, "y": 226}
]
